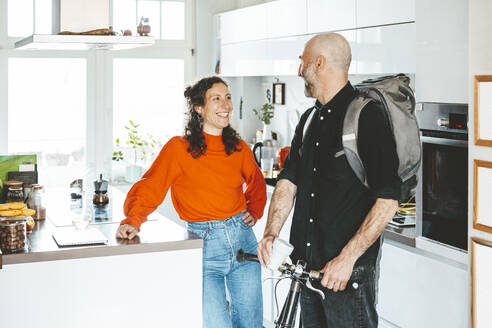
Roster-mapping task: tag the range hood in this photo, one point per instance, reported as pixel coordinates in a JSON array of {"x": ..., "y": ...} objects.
[{"x": 78, "y": 16}]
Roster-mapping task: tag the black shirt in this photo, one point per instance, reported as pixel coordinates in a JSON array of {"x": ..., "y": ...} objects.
[{"x": 331, "y": 202}]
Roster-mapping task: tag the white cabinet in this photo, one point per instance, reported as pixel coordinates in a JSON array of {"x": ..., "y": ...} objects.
[
  {"x": 267, "y": 39},
  {"x": 283, "y": 54},
  {"x": 386, "y": 49},
  {"x": 269, "y": 308},
  {"x": 244, "y": 24},
  {"x": 286, "y": 18},
  {"x": 330, "y": 15},
  {"x": 419, "y": 291},
  {"x": 382, "y": 12},
  {"x": 442, "y": 51},
  {"x": 245, "y": 59},
  {"x": 351, "y": 36},
  {"x": 267, "y": 286}
]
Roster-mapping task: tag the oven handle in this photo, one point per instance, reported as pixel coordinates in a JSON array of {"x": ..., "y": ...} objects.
[{"x": 444, "y": 141}]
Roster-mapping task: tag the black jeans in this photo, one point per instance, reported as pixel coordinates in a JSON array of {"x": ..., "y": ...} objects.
[{"x": 352, "y": 308}]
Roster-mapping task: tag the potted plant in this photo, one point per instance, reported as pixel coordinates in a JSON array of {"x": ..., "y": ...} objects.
[
  {"x": 139, "y": 146},
  {"x": 265, "y": 114}
]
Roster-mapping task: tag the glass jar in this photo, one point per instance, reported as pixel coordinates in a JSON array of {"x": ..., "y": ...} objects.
[
  {"x": 37, "y": 202},
  {"x": 15, "y": 195},
  {"x": 27, "y": 191},
  {"x": 13, "y": 234},
  {"x": 7, "y": 185}
]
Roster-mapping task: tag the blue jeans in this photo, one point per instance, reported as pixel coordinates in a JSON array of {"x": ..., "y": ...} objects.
[
  {"x": 352, "y": 308},
  {"x": 222, "y": 240}
]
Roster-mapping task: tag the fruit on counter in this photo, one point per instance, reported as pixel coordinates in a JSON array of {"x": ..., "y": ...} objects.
[
  {"x": 12, "y": 206},
  {"x": 30, "y": 224},
  {"x": 28, "y": 212},
  {"x": 11, "y": 213}
]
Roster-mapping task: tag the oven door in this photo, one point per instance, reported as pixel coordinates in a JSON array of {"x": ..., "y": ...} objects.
[{"x": 442, "y": 193}]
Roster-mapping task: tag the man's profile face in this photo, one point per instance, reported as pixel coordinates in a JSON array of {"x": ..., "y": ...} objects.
[{"x": 306, "y": 71}]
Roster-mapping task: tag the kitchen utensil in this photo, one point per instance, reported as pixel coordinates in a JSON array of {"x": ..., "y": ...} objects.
[{"x": 100, "y": 197}]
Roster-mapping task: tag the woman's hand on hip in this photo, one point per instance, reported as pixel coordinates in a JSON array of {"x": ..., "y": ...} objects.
[
  {"x": 126, "y": 231},
  {"x": 248, "y": 219}
]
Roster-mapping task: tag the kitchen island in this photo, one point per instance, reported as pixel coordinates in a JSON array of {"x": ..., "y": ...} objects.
[{"x": 154, "y": 280}]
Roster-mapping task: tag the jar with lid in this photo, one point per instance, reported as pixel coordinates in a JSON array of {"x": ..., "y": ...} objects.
[
  {"x": 7, "y": 185},
  {"x": 37, "y": 202},
  {"x": 15, "y": 195},
  {"x": 13, "y": 234}
]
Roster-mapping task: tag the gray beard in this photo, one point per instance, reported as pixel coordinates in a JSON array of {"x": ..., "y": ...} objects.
[{"x": 307, "y": 90}]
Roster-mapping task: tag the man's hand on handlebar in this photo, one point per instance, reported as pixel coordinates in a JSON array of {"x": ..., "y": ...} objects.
[
  {"x": 265, "y": 249},
  {"x": 126, "y": 231}
]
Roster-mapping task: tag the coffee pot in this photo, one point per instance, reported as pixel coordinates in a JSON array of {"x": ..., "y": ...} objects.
[{"x": 100, "y": 197}]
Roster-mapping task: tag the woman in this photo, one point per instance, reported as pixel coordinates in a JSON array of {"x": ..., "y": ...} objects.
[{"x": 206, "y": 170}]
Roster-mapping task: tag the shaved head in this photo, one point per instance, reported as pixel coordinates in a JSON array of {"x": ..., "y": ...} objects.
[
  {"x": 324, "y": 66},
  {"x": 334, "y": 47}
]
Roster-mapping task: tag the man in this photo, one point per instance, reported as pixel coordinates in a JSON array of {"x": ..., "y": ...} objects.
[{"x": 337, "y": 221}]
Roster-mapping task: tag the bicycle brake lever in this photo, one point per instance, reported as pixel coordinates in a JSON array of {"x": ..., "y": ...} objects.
[{"x": 310, "y": 286}]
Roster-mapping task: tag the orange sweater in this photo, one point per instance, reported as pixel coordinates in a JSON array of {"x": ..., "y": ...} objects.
[{"x": 207, "y": 188}]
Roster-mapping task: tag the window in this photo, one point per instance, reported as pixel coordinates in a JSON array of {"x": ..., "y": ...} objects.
[
  {"x": 150, "y": 10},
  {"x": 150, "y": 93},
  {"x": 69, "y": 106},
  {"x": 20, "y": 21},
  {"x": 173, "y": 20},
  {"x": 20, "y": 17},
  {"x": 124, "y": 15},
  {"x": 47, "y": 115},
  {"x": 42, "y": 20},
  {"x": 166, "y": 18}
]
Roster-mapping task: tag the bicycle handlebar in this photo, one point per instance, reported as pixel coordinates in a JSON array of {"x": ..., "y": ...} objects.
[{"x": 285, "y": 268}]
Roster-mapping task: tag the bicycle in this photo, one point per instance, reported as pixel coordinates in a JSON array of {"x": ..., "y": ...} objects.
[{"x": 299, "y": 276}]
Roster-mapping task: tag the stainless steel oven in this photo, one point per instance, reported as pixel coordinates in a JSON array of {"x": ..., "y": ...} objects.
[{"x": 442, "y": 192}]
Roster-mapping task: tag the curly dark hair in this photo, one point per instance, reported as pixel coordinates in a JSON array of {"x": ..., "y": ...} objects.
[{"x": 195, "y": 96}]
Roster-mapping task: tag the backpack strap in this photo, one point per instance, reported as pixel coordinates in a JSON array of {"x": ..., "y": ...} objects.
[{"x": 350, "y": 130}]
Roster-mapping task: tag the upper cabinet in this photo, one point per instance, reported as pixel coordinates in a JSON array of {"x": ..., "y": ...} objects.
[
  {"x": 271, "y": 20},
  {"x": 286, "y": 18},
  {"x": 442, "y": 51},
  {"x": 283, "y": 54},
  {"x": 244, "y": 24},
  {"x": 386, "y": 49},
  {"x": 330, "y": 15},
  {"x": 267, "y": 39},
  {"x": 245, "y": 59},
  {"x": 383, "y": 12}
]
